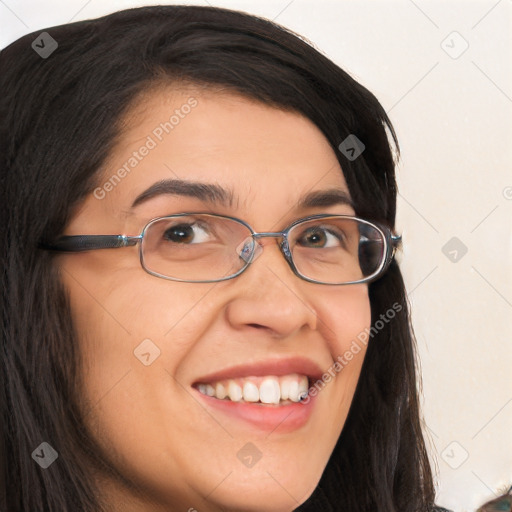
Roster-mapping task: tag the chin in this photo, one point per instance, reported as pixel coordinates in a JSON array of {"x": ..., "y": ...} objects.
[{"x": 264, "y": 491}]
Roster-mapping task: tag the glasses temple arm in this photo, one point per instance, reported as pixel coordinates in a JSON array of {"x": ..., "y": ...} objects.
[
  {"x": 79, "y": 243},
  {"x": 396, "y": 240}
]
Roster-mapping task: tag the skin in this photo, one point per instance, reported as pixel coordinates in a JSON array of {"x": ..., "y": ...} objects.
[{"x": 180, "y": 455}]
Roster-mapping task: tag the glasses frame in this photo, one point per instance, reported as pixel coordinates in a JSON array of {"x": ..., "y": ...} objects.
[{"x": 81, "y": 243}]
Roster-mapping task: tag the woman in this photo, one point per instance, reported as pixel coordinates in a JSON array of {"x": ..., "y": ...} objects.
[{"x": 237, "y": 337}]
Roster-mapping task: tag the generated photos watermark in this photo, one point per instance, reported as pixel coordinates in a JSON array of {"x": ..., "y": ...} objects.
[
  {"x": 156, "y": 136},
  {"x": 355, "y": 347}
]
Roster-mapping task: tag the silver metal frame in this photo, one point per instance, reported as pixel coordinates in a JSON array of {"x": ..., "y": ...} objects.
[{"x": 80, "y": 243}]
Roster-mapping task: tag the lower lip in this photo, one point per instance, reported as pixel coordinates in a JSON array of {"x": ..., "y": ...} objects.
[{"x": 278, "y": 418}]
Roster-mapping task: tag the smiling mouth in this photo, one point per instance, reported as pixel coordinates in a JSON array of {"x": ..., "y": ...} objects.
[{"x": 267, "y": 390}]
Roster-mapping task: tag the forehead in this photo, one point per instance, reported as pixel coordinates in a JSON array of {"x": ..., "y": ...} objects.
[{"x": 262, "y": 155}]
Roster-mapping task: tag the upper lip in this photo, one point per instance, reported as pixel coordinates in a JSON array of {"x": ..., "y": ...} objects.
[{"x": 277, "y": 367}]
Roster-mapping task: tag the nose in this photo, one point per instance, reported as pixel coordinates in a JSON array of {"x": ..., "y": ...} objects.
[{"x": 268, "y": 295}]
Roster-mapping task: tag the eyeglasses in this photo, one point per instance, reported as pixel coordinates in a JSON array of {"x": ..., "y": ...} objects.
[{"x": 207, "y": 248}]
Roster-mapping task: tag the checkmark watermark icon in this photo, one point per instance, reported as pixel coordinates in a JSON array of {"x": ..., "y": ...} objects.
[
  {"x": 44, "y": 45},
  {"x": 249, "y": 455},
  {"x": 455, "y": 455},
  {"x": 454, "y": 45},
  {"x": 351, "y": 147},
  {"x": 45, "y": 455}
]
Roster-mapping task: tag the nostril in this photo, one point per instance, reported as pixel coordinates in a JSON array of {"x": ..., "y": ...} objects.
[{"x": 258, "y": 326}]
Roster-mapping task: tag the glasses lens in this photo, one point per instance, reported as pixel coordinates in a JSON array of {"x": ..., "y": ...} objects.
[
  {"x": 337, "y": 250},
  {"x": 203, "y": 247},
  {"x": 197, "y": 247}
]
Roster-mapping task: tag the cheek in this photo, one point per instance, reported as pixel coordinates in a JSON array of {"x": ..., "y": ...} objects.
[
  {"x": 346, "y": 320},
  {"x": 124, "y": 326},
  {"x": 345, "y": 314},
  {"x": 133, "y": 334}
]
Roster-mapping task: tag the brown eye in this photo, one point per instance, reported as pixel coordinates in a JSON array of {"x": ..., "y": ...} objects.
[
  {"x": 186, "y": 233},
  {"x": 319, "y": 237}
]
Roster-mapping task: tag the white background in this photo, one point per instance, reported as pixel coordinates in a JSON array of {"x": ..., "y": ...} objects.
[{"x": 454, "y": 123}]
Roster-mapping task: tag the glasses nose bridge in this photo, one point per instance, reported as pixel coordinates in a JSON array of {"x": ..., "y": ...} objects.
[
  {"x": 283, "y": 235},
  {"x": 270, "y": 234},
  {"x": 282, "y": 244}
]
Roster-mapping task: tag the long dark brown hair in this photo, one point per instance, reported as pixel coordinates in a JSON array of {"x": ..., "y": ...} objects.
[{"x": 59, "y": 120}]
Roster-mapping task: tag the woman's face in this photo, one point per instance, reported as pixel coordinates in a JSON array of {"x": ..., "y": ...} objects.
[{"x": 148, "y": 342}]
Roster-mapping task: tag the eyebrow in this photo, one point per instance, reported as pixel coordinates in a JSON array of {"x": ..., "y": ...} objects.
[
  {"x": 206, "y": 192},
  {"x": 215, "y": 194}
]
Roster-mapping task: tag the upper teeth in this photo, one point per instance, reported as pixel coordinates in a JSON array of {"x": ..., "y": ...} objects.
[{"x": 268, "y": 390}]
